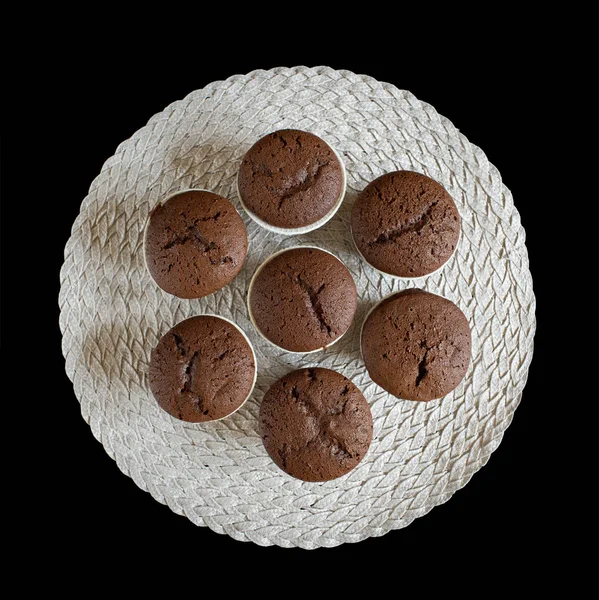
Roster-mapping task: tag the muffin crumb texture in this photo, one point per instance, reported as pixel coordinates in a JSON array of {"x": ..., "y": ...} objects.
[
  {"x": 195, "y": 244},
  {"x": 405, "y": 224},
  {"x": 315, "y": 424},
  {"x": 202, "y": 369},
  {"x": 416, "y": 345},
  {"x": 290, "y": 179}
]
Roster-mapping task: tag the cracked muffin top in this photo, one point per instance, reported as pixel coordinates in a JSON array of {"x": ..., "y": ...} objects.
[
  {"x": 315, "y": 424},
  {"x": 290, "y": 179},
  {"x": 405, "y": 224},
  {"x": 195, "y": 244},
  {"x": 416, "y": 345},
  {"x": 202, "y": 369},
  {"x": 302, "y": 299}
]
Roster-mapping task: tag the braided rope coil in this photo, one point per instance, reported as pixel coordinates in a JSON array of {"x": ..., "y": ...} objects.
[{"x": 218, "y": 474}]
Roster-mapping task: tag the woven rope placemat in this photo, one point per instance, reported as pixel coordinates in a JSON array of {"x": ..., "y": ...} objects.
[{"x": 218, "y": 474}]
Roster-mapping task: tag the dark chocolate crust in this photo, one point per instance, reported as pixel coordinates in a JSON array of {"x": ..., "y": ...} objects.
[
  {"x": 195, "y": 244},
  {"x": 290, "y": 178},
  {"x": 315, "y": 424},
  {"x": 303, "y": 299},
  {"x": 416, "y": 345},
  {"x": 405, "y": 224},
  {"x": 202, "y": 369}
]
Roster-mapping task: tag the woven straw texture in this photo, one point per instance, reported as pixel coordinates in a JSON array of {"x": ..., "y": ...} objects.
[{"x": 218, "y": 474}]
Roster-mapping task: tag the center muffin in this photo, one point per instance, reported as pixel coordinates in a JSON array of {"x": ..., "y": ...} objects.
[{"x": 302, "y": 299}]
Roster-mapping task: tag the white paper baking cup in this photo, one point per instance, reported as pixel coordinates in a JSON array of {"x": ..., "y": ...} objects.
[
  {"x": 249, "y": 293},
  {"x": 399, "y": 277},
  {"x": 305, "y": 228},
  {"x": 146, "y": 224},
  {"x": 247, "y": 339}
]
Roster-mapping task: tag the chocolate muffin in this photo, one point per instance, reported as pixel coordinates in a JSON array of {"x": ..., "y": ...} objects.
[
  {"x": 405, "y": 224},
  {"x": 315, "y": 424},
  {"x": 416, "y": 345},
  {"x": 302, "y": 299},
  {"x": 202, "y": 369},
  {"x": 195, "y": 244},
  {"x": 290, "y": 179}
]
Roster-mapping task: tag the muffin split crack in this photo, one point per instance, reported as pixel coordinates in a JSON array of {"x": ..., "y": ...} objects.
[{"x": 315, "y": 305}]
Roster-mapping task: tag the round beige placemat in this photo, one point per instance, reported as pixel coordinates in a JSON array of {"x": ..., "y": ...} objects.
[{"x": 218, "y": 474}]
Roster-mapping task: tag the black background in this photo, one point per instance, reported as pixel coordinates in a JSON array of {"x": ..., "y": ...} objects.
[{"x": 522, "y": 87}]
